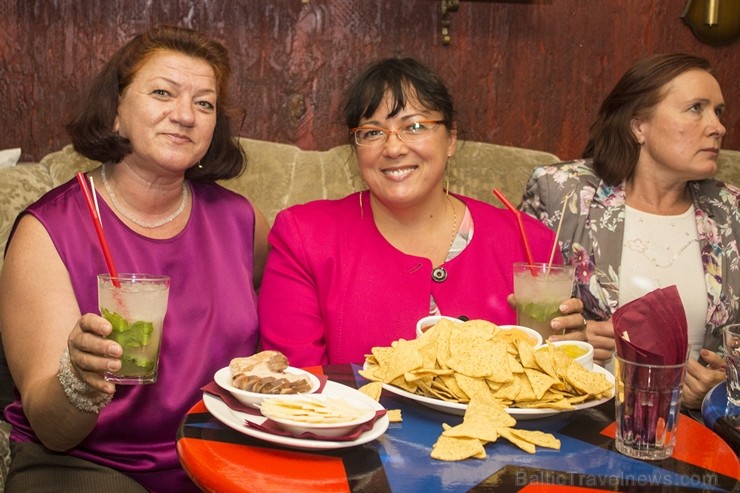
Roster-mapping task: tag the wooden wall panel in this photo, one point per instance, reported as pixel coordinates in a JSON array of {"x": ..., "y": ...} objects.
[{"x": 528, "y": 73}]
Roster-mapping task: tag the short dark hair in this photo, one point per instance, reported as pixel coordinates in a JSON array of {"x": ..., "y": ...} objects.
[
  {"x": 91, "y": 130},
  {"x": 611, "y": 142},
  {"x": 405, "y": 78}
]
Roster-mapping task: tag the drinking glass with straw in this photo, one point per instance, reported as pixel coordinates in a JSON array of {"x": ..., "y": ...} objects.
[
  {"x": 97, "y": 223},
  {"x": 538, "y": 297},
  {"x": 557, "y": 233},
  {"x": 134, "y": 304},
  {"x": 522, "y": 231}
]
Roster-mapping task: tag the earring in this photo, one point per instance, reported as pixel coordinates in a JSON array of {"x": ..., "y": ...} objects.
[
  {"x": 200, "y": 165},
  {"x": 447, "y": 177},
  {"x": 362, "y": 212}
]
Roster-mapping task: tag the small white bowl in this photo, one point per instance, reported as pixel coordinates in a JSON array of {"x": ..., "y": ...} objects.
[
  {"x": 424, "y": 323},
  {"x": 536, "y": 337},
  {"x": 364, "y": 413},
  {"x": 253, "y": 399},
  {"x": 586, "y": 360}
]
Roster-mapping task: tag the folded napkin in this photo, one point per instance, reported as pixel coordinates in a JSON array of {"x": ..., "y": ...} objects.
[
  {"x": 269, "y": 426},
  {"x": 652, "y": 329},
  {"x": 214, "y": 389}
]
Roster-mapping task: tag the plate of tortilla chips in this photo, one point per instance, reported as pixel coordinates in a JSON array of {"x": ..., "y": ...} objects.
[{"x": 446, "y": 367}]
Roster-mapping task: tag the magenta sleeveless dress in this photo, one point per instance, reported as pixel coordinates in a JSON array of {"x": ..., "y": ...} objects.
[{"x": 211, "y": 318}]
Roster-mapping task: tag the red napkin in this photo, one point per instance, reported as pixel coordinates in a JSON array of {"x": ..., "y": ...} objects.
[
  {"x": 269, "y": 426},
  {"x": 652, "y": 329},
  {"x": 214, "y": 389}
]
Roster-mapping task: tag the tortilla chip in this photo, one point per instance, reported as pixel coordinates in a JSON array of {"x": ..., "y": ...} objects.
[
  {"x": 538, "y": 438},
  {"x": 588, "y": 382},
  {"x": 472, "y": 430},
  {"x": 405, "y": 358},
  {"x": 454, "y": 449},
  {"x": 472, "y": 387},
  {"x": 540, "y": 382},
  {"x": 519, "y": 442},
  {"x": 487, "y": 413},
  {"x": 372, "y": 390}
]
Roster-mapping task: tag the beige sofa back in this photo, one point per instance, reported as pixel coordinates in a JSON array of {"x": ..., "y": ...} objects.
[{"x": 280, "y": 175}]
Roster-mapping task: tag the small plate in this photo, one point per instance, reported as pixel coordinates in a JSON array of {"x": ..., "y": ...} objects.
[
  {"x": 235, "y": 420},
  {"x": 533, "y": 334},
  {"x": 516, "y": 412},
  {"x": 586, "y": 360},
  {"x": 253, "y": 399},
  {"x": 359, "y": 411}
]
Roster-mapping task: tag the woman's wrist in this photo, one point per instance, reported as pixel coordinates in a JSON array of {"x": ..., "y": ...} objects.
[{"x": 80, "y": 394}]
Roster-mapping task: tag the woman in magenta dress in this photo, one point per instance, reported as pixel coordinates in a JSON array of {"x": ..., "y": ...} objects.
[{"x": 157, "y": 118}]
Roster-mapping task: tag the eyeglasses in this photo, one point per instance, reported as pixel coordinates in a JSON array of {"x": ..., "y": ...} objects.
[{"x": 410, "y": 134}]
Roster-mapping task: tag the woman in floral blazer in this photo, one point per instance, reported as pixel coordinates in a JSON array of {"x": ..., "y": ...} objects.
[{"x": 653, "y": 150}]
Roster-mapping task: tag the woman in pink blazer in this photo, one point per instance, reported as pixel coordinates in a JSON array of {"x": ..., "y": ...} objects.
[{"x": 346, "y": 275}]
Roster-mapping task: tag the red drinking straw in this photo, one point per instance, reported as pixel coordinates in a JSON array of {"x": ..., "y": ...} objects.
[
  {"x": 98, "y": 228},
  {"x": 518, "y": 216}
]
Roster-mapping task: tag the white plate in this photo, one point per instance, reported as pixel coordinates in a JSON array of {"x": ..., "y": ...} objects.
[
  {"x": 517, "y": 413},
  {"x": 253, "y": 399},
  {"x": 235, "y": 420}
]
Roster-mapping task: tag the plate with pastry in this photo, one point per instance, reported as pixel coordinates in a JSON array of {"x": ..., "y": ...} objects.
[{"x": 267, "y": 373}]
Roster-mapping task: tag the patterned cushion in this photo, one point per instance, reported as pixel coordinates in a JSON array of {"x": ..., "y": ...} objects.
[
  {"x": 477, "y": 168},
  {"x": 19, "y": 186},
  {"x": 729, "y": 167},
  {"x": 281, "y": 175}
]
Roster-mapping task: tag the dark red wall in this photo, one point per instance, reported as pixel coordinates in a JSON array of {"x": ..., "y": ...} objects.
[{"x": 524, "y": 73}]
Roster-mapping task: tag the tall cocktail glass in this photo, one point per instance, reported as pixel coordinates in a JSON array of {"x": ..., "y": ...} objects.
[
  {"x": 539, "y": 290},
  {"x": 731, "y": 340},
  {"x": 136, "y": 309}
]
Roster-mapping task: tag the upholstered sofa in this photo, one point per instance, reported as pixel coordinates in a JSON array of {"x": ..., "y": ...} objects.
[
  {"x": 280, "y": 175},
  {"x": 277, "y": 176}
]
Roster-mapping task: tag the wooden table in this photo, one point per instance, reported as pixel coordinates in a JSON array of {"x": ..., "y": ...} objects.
[{"x": 221, "y": 459}]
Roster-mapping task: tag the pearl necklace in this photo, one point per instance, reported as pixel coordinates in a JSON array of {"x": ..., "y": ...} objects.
[{"x": 135, "y": 219}]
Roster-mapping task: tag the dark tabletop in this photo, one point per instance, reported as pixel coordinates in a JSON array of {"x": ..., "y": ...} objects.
[{"x": 219, "y": 458}]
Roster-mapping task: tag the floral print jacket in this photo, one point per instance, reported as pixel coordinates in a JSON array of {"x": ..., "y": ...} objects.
[{"x": 593, "y": 227}]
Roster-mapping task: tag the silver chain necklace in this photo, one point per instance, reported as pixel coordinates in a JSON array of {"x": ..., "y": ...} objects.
[{"x": 135, "y": 219}]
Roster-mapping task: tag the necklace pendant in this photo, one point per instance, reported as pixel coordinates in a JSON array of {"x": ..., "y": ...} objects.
[
  {"x": 136, "y": 220},
  {"x": 439, "y": 274}
]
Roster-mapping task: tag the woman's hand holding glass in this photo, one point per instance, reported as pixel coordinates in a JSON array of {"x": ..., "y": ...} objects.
[
  {"x": 701, "y": 379},
  {"x": 571, "y": 325},
  {"x": 91, "y": 354},
  {"x": 600, "y": 334}
]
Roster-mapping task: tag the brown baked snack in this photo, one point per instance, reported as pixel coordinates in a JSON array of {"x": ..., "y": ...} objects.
[{"x": 264, "y": 373}]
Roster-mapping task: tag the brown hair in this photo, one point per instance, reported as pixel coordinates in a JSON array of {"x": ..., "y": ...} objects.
[
  {"x": 92, "y": 132},
  {"x": 611, "y": 142}
]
